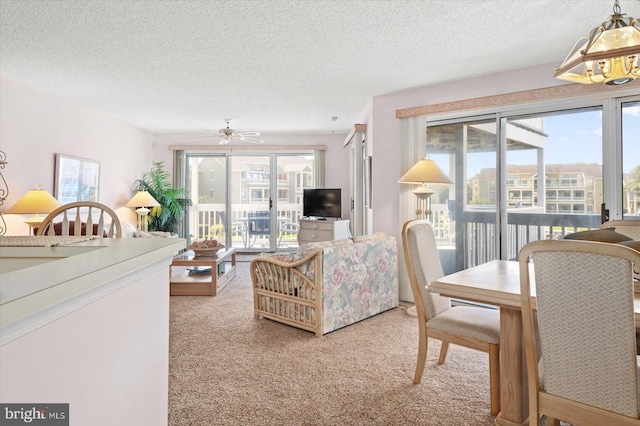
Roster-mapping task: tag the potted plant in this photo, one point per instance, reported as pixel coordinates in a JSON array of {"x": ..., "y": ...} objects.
[{"x": 172, "y": 204}]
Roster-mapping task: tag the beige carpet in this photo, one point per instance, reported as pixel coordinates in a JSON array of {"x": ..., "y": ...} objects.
[{"x": 227, "y": 368}]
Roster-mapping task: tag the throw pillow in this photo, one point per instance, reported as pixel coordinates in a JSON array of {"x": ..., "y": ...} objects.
[{"x": 369, "y": 238}]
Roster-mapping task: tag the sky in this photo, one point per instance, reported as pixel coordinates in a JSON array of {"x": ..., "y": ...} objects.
[{"x": 572, "y": 138}]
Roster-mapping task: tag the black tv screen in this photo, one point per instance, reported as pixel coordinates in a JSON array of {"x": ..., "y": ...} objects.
[{"x": 322, "y": 203}]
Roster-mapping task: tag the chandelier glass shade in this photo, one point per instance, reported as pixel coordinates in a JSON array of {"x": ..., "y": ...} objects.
[{"x": 609, "y": 55}]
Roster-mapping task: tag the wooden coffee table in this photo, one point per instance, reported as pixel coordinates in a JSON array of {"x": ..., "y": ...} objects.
[{"x": 188, "y": 276}]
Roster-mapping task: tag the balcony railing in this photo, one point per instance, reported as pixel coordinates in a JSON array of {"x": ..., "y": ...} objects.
[
  {"x": 206, "y": 222},
  {"x": 477, "y": 227}
]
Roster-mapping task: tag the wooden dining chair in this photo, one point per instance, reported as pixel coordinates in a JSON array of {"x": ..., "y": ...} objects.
[
  {"x": 82, "y": 218},
  {"x": 472, "y": 327},
  {"x": 587, "y": 373}
]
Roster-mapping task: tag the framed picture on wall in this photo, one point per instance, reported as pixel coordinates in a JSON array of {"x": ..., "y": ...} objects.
[{"x": 76, "y": 179}]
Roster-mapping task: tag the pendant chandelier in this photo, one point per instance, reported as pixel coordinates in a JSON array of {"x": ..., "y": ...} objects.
[{"x": 610, "y": 54}]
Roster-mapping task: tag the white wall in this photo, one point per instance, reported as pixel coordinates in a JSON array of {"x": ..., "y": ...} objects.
[
  {"x": 337, "y": 157},
  {"x": 34, "y": 126}
]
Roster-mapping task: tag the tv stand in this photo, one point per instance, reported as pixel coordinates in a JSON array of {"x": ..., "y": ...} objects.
[{"x": 315, "y": 230}]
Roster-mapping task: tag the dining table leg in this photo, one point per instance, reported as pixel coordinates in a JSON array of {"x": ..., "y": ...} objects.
[{"x": 513, "y": 376}]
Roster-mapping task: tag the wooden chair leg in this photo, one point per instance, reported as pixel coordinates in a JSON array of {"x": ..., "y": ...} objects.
[
  {"x": 422, "y": 355},
  {"x": 494, "y": 378},
  {"x": 552, "y": 422},
  {"x": 443, "y": 352}
]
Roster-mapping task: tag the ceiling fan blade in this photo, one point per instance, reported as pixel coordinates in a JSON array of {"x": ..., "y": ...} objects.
[
  {"x": 248, "y": 134},
  {"x": 250, "y": 140},
  {"x": 224, "y": 141}
]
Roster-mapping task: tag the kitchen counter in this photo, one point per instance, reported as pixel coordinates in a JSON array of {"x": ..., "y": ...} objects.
[
  {"x": 87, "y": 324},
  {"x": 38, "y": 284}
]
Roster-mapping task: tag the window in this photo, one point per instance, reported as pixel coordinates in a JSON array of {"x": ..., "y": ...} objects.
[
  {"x": 256, "y": 195},
  {"x": 630, "y": 159},
  {"x": 535, "y": 147}
]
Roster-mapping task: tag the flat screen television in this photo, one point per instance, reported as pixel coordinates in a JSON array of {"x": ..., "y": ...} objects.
[{"x": 322, "y": 203}]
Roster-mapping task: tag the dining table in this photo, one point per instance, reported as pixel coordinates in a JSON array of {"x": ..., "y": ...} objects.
[{"x": 497, "y": 283}]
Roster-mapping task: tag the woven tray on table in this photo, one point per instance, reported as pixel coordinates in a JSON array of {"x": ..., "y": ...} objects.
[{"x": 206, "y": 248}]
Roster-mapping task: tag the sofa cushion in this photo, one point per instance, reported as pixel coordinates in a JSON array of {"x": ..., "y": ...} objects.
[
  {"x": 605, "y": 235},
  {"x": 283, "y": 257}
]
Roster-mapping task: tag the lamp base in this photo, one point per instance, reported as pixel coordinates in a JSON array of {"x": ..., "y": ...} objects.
[
  {"x": 143, "y": 224},
  {"x": 423, "y": 204},
  {"x": 34, "y": 222}
]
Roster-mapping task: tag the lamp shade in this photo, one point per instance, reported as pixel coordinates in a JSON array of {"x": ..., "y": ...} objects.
[
  {"x": 425, "y": 171},
  {"x": 142, "y": 199},
  {"x": 35, "y": 201}
]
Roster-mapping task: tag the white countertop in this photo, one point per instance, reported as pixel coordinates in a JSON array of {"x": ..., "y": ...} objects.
[{"x": 40, "y": 284}]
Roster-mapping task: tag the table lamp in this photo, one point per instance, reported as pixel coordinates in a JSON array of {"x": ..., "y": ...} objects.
[
  {"x": 423, "y": 172},
  {"x": 35, "y": 201},
  {"x": 142, "y": 200}
]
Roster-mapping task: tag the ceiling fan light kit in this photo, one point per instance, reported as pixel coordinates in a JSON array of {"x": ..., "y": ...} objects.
[
  {"x": 610, "y": 54},
  {"x": 227, "y": 135}
]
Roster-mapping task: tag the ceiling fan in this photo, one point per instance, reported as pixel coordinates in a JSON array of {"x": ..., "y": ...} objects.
[{"x": 227, "y": 135}]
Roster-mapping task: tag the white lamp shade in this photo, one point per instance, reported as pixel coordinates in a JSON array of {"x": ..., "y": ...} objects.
[
  {"x": 142, "y": 199},
  {"x": 35, "y": 201},
  {"x": 425, "y": 171}
]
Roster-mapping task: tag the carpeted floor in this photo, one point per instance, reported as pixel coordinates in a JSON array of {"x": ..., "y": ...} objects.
[{"x": 227, "y": 368}]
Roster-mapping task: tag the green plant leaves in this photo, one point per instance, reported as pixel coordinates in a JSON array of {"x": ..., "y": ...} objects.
[{"x": 172, "y": 202}]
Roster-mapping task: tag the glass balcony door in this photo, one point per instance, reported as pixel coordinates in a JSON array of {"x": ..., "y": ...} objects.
[
  {"x": 246, "y": 201},
  {"x": 251, "y": 203},
  {"x": 630, "y": 159},
  {"x": 553, "y": 176},
  {"x": 516, "y": 180}
]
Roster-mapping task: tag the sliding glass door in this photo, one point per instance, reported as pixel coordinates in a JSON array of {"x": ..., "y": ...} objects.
[
  {"x": 251, "y": 202},
  {"x": 630, "y": 116},
  {"x": 554, "y": 176},
  {"x": 521, "y": 176}
]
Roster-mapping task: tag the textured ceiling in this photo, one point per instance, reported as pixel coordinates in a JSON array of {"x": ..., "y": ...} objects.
[{"x": 274, "y": 66}]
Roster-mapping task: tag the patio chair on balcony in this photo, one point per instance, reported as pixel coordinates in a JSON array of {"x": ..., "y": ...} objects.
[
  {"x": 287, "y": 230},
  {"x": 237, "y": 228},
  {"x": 257, "y": 226}
]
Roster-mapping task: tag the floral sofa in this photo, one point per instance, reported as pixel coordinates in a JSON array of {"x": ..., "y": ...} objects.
[{"x": 327, "y": 285}]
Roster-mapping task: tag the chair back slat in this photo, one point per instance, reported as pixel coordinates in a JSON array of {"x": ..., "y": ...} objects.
[
  {"x": 83, "y": 215},
  {"x": 77, "y": 223}
]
